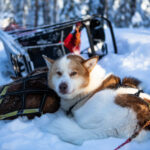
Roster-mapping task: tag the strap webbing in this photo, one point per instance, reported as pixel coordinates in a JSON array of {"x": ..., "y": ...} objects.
[
  {"x": 23, "y": 92},
  {"x": 3, "y": 92},
  {"x": 15, "y": 113}
]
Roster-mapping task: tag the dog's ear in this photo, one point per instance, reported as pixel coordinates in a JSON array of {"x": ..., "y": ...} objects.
[
  {"x": 48, "y": 61},
  {"x": 90, "y": 63}
]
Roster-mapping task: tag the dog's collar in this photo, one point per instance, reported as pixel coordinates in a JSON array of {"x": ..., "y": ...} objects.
[
  {"x": 81, "y": 100},
  {"x": 138, "y": 92}
]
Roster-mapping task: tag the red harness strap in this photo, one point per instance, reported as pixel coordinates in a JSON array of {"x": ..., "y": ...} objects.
[
  {"x": 136, "y": 133},
  {"x": 126, "y": 142}
]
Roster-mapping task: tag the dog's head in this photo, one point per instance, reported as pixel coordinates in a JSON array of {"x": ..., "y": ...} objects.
[{"x": 69, "y": 75}]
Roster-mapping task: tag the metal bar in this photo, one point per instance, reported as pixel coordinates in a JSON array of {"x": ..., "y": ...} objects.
[
  {"x": 111, "y": 31},
  {"x": 61, "y": 27},
  {"x": 26, "y": 64},
  {"x": 90, "y": 38},
  {"x": 41, "y": 27},
  {"x": 41, "y": 46},
  {"x": 62, "y": 45}
]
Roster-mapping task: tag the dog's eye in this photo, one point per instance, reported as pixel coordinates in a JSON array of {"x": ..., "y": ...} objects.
[
  {"x": 59, "y": 73},
  {"x": 73, "y": 73}
]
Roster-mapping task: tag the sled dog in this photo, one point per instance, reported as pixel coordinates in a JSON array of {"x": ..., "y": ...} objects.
[{"x": 96, "y": 105}]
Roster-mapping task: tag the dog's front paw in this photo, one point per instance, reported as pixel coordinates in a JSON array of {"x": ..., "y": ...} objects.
[
  {"x": 73, "y": 141},
  {"x": 67, "y": 130}
]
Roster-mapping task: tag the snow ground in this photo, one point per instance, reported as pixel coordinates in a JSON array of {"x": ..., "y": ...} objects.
[{"x": 133, "y": 60}]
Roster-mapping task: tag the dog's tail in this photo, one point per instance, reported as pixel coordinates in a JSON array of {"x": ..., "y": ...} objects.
[{"x": 131, "y": 82}]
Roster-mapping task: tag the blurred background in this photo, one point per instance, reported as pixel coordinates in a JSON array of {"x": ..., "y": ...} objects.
[{"x": 122, "y": 13}]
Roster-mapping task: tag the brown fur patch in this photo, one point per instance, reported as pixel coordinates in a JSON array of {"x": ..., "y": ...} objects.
[
  {"x": 137, "y": 104},
  {"x": 77, "y": 65},
  {"x": 147, "y": 101},
  {"x": 111, "y": 82},
  {"x": 76, "y": 58},
  {"x": 131, "y": 82}
]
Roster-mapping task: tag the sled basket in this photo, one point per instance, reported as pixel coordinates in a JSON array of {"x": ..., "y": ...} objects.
[
  {"x": 29, "y": 96},
  {"x": 85, "y": 36}
]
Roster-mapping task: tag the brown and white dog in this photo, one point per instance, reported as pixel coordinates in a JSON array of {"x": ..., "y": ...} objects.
[{"x": 99, "y": 107}]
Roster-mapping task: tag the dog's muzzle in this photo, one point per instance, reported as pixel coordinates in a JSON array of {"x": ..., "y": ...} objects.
[{"x": 63, "y": 88}]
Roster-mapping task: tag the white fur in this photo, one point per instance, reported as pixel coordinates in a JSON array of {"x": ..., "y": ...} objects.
[
  {"x": 97, "y": 75},
  {"x": 124, "y": 90},
  {"x": 144, "y": 95},
  {"x": 56, "y": 80},
  {"x": 99, "y": 117}
]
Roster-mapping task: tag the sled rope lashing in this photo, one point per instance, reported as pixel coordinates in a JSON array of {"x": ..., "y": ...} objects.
[
  {"x": 3, "y": 92},
  {"x": 136, "y": 133},
  {"x": 23, "y": 93}
]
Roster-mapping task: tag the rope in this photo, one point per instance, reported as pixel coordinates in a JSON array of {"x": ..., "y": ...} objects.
[{"x": 134, "y": 135}]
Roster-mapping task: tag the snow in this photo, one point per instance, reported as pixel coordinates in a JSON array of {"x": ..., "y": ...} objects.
[
  {"x": 134, "y": 55},
  {"x": 133, "y": 60},
  {"x": 136, "y": 19},
  {"x": 146, "y": 6},
  {"x": 4, "y": 66}
]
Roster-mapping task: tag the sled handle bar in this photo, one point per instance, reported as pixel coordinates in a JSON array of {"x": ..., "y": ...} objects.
[{"x": 111, "y": 31}]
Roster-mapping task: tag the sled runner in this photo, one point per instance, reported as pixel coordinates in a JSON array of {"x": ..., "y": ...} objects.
[{"x": 25, "y": 47}]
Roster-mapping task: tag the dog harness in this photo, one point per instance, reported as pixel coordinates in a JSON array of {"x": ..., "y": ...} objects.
[
  {"x": 138, "y": 93},
  {"x": 81, "y": 101}
]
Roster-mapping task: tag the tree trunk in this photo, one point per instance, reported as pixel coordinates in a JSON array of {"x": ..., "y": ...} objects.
[
  {"x": 55, "y": 12},
  {"x": 106, "y": 8},
  {"x": 36, "y": 13},
  {"x": 46, "y": 12}
]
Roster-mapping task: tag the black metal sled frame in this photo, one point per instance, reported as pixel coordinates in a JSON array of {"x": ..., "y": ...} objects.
[
  {"x": 57, "y": 27},
  {"x": 23, "y": 63}
]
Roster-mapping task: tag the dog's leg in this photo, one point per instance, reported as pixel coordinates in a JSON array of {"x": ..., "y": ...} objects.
[{"x": 68, "y": 130}]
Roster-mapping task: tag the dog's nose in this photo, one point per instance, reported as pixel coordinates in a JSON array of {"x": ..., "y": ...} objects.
[{"x": 63, "y": 87}]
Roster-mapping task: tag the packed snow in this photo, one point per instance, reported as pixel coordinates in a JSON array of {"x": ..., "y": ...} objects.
[{"x": 133, "y": 59}]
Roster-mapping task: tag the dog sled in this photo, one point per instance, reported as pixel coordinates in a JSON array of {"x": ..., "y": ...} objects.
[{"x": 24, "y": 47}]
